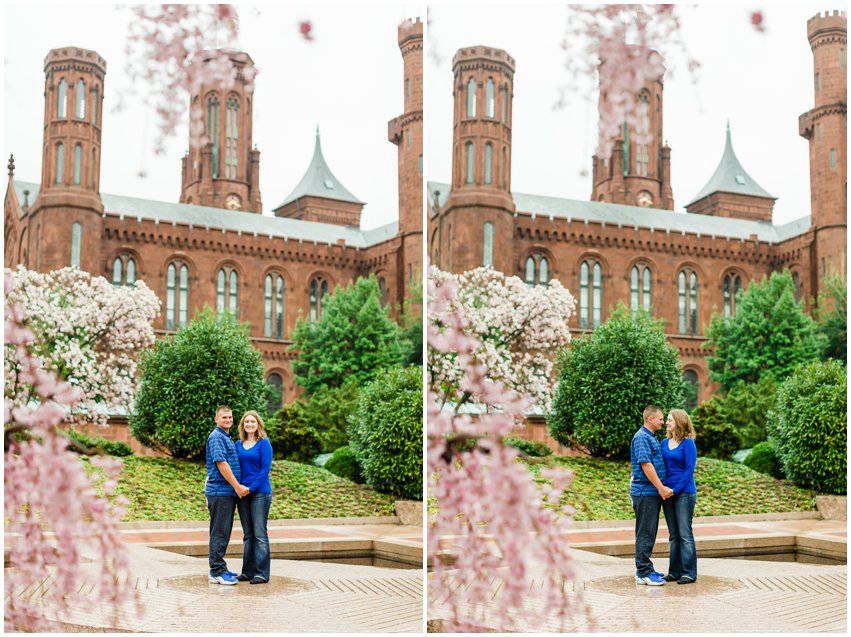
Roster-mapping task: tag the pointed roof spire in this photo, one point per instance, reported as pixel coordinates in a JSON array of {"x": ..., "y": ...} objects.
[
  {"x": 11, "y": 165},
  {"x": 730, "y": 176},
  {"x": 319, "y": 181}
]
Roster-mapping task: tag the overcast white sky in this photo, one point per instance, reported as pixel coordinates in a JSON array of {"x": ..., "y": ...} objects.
[
  {"x": 348, "y": 80},
  {"x": 760, "y": 82}
]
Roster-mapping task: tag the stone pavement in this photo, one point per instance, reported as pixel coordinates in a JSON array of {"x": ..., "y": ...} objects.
[
  {"x": 302, "y": 595},
  {"x": 731, "y": 594}
]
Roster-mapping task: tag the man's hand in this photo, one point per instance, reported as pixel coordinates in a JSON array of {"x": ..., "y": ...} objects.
[
  {"x": 666, "y": 492},
  {"x": 241, "y": 490}
]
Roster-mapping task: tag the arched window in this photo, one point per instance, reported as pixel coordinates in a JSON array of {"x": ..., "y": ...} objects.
[
  {"x": 732, "y": 285},
  {"x": 131, "y": 272},
  {"x": 318, "y": 290},
  {"x": 62, "y": 99},
  {"x": 543, "y": 271},
  {"x": 642, "y": 153},
  {"x": 469, "y": 177},
  {"x": 471, "y": 98},
  {"x": 231, "y": 134},
  {"x": 590, "y": 294},
  {"x": 529, "y": 275},
  {"x": 123, "y": 265},
  {"x": 537, "y": 269},
  {"x": 95, "y": 99},
  {"x": 80, "y": 95},
  {"x": 382, "y": 290},
  {"x": 279, "y": 307},
  {"x": 273, "y": 308},
  {"x": 277, "y": 401},
  {"x": 76, "y": 243},
  {"x": 796, "y": 280},
  {"x": 213, "y": 130},
  {"x": 93, "y": 168},
  {"x": 504, "y": 105},
  {"x": 687, "y": 301},
  {"x": 488, "y": 163},
  {"x": 640, "y": 292},
  {"x": 78, "y": 163},
  {"x": 227, "y": 290},
  {"x": 692, "y": 389},
  {"x": 60, "y": 161},
  {"x": 176, "y": 295},
  {"x": 487, "y": 245},
  {"x": 489, "y": 98},
  {"x": 504, "y": 164}
]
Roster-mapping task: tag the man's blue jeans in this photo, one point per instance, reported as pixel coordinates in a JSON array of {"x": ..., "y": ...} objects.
[
  {"x": 221, "y": 508},
  {"x": 253, "y": 515},
  {"x": 679, "y": 510},
  {"x": 646, "y": 508}
]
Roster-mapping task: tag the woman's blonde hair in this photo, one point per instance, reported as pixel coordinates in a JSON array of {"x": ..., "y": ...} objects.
[
  {"x": 683, "y": 428},
  {"x": 261, "y": 430}
]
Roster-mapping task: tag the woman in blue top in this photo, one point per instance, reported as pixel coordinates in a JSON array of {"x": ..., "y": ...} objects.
[
  {"x": 680, "y": 455},
  {"x": 255, "y": 462}
]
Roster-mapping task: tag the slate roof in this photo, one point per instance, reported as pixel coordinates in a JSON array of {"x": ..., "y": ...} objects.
[
  {"x": 319, "y": 181},
  {"x": 234, "y": 220},
  {"x": 731, "y": 177},
  {"x": 634, "y": 216}
]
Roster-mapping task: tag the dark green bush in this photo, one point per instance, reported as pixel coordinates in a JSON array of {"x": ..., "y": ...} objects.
[
  {"x": 716, "y": 438},
  {"x": 326, "y": 412},
  {"x": 386, "y": 432},
  {"x": 344, "y": 464},
  {"x": 110, "y": 447},
  {"x": 764, "y": 459},
  {"x": 746, "y": 407},
  {"x": 292, "y": 438},
  {"x": 608, "y": 377},
  {"x": 535, "y": 448},
  {"x": 185, "y": 377},
  {"x": 808, "y": 426}
]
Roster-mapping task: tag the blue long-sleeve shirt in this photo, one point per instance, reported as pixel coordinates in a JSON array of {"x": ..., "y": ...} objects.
[
  {"x": 255, "y": 464},
  {"x": 679, "y": 465}
]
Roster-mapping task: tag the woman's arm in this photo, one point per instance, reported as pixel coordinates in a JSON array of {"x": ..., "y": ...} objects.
[
  {"x": 265, "y": 465},
  {"x": 690, "y": 457}
]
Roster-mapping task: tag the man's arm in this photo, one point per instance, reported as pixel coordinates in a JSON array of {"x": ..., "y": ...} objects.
[
  {"x": 227, "y": 474},
  {"x": 650, "y": 471}
]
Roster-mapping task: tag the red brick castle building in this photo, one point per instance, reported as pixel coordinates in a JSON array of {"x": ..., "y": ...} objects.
[
  {"x": 627, "y": 244},
  {"x": 215, "y": 246}
]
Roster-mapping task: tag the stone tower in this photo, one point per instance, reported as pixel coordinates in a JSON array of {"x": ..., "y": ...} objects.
[
  {"x": 223, "y": 172},
  {"x": 65, "y": 222},
  {"x": 480, "y": 205},
  {"x": 406, "y": 132},
  {"x": 824, "y": 126},
  {"x": 638, "y": 173}
]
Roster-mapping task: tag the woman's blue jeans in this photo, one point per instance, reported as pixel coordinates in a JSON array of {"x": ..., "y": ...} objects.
[
  {"x": 679, "y": 511},
  {"x": 253, "y": 515}
]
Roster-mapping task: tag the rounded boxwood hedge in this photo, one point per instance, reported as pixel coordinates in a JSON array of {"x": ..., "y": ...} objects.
[
  {"x": 808, "y": 427},
  {"x": 386, "y": 432},
  {"x": 763, "y": 459},
  {"x": 343, "y": 463}
]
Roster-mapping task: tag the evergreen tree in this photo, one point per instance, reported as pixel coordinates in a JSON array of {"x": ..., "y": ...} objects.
[{"x": 832, "y": 317}]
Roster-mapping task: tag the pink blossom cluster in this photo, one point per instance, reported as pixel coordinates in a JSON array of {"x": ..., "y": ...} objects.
[
  {"x": 57, "y": 516},
  {"x": 83, "y": 330},
  {"x": 493, "y": 527},
  {"x": 624, "y": 44},
  {"x": 164, "y": 47},
  {"x": 518, "y": 328}
]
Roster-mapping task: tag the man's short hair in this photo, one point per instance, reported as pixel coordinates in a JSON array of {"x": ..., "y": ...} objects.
[
  {"x": 222, "y": 408},
  {"x": 651, "y": 410}
]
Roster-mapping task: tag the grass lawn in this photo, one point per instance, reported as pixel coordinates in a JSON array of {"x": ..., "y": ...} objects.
[
  {"x": 600, "y": 489},
  {"x": 169, "y": 489}
]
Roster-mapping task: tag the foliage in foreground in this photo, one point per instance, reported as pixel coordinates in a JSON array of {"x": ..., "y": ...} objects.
[
  {"x": 343, "y": 463},
  {"x": 290, "y": 435},
  {"x": 95, "y": 443},
  {"x": 608, "y": 377},
  {"x": 763, "y": 458},
  {"x": 208, "y": 363},
  {"x": 716, "y": 437}
]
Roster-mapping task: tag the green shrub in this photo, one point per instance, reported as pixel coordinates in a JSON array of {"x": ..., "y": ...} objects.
[
  {"x": 291, "y": 437},
  {"x": 110, "y": 447},
  {"x": 535, "y": 448},
  {"x": 386, "y": 432},
  {"x": 185, "y": 377},
  {"x": 808, "y": 426},
  {"x": 344, "y": 464},
  {"x": 746, "y": 407},
  {"x": 716, "y": 438},
  {"x": 764, "y": 459},
  {"x": 608, "y": 377},
  {"x": 326, "y": 412}
]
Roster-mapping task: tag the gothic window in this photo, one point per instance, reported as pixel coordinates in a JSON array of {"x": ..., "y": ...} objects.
[
  {"x": 78, "y": 163},
  {"x": 488, "y": 163},
  {"x": 640, "y": 288},
  {"x": 537, "y": 269},
  {"x": 692, "y": 389},
  {"x": 382, "y": 290},
  {"x": 62, "y": 99},
  {"x": 625, "y": 148},
  {"x": 818, "y": 83},
  {"x": 407, "y": 88},
  {"x": 60, "y": 160},
  {"x": 841, "y": 58},
  {"x": 95, "y": 99},
  {"x": 687, "y": 301},
  {"x": 176, "y": 295},
  {"x": 93, "y": 169},
  {"x": 832, "y": 158},
  {"x": 590, "y": 294},
  {"x": 232, "y": 136},
  {"x": 796, "y": 280},
  {"x": 80, "y": 95},
  {"x": 420, "y": 165},
  {"x": 818, "y": 132},
  {"x": 489, "y": 98},
  {"x": 124, "y": 270},
  {"x": 274, "y": 379},
  {"x": 471, "y": 98},
  {"x": 273, "y": 308},
  {"x": 504, "y": 164},
  {"x": 642, "y": 153},
  {"x": 731, "y": 287},
  {"x": 318, "y": 291},
  {"x": 227, "y": 290},
  {"x": 505, "y": 105},
  {"x": 487, "y": 245},
  {"x": 529, "y": 275},
  {"x": 213, "y": 130},
  {"x": 76, "y": 243},
  {"x": 469, "y": 147},
  {"x": 407, "y": 136}
]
